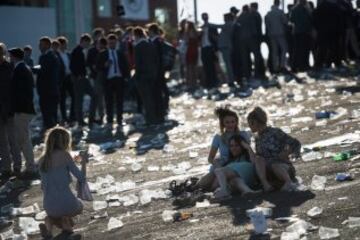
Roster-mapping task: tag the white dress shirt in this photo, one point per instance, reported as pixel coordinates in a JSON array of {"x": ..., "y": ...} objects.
[
  {"x": 114, "y": 70},
  {"x": 65, "y": 58}
]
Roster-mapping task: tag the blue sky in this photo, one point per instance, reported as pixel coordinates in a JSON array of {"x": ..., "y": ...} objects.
[{"x": 216, "y": 8}]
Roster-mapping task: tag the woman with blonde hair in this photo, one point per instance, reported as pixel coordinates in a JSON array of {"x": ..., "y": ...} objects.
[{"x": 55, "y": 167}]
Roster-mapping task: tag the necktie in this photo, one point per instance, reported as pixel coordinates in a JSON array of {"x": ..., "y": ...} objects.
[{"x": 115, "y": 62}]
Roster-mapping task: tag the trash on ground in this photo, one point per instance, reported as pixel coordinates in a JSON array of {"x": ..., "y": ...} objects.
[
  {"x": 343, "y": 156},
  {"x": 114, "y": 223},
  {"x": 182, "y": 216},
  {"x": 318, "y": 183},
  {"x": 267, "y": 212},
  {"x": 99, "y": 205},
  {"x": 167, "y": 215},
  {"x": 328, "y": 233},
  {"x": 314, "y": 212},
  {"x": 340, "y": 177},
  {"x": 29, "y": 225},
  {"x": 353, "y": 222},
  {"x": 203, "y": 204},
  {"x": 258, "y": 220}
]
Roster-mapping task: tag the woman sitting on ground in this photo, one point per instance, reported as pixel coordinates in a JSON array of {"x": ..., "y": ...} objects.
[
  {"x": 240, "y": 172},
  {"x": 229, "y": 126},
  {"x": 56, "y": 164},
  {"x": 273, "y": 148}
]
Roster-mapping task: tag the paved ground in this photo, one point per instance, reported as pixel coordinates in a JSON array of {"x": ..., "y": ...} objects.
[{"x": 185, "y": 140}]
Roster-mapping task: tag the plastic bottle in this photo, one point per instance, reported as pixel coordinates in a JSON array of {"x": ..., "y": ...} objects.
[{"x": 343, "y": 156}]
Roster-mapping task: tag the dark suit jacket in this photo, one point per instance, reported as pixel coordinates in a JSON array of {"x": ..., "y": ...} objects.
[
  {"x": 158, "y": 43},
  {"x": 146, "y": 60},
  {"x": 77, "y": 62},
  {"x": 49, "y": 74},
  {"x": 123, "y": 64},
  {"x": 91, "y": 61},
  {"x": 22, "y": 90},
  {"x": 62, "y": 65},
  {"x": 5, "y": 90},
  {"x": 213, "y": 36}
]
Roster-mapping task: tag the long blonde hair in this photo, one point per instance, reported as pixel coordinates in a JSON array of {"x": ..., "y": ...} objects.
[{"x": 56, "y": 138}]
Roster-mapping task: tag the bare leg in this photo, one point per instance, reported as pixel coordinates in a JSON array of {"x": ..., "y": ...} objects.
[
  {"x": 239, "y": 184},
  {"x": 261, "y": 171},
  {"x": 206, "y": 182},
  {"x": 222, "y": 175},
  {"x": 49, "y": 225},
  {"x": 282, "y": 172},
  {"x": 67, "y": 224},
  {"x": 214, "y": 185}
]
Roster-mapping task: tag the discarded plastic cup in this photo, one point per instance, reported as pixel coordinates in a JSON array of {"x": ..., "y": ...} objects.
[
  {"x": 259, "y": 222},
  {"x": 328, "y": 233}
]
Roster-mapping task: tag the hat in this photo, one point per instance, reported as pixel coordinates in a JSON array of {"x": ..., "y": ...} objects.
[
  {"x": 17, "y": 52},
  {"x": 234, "y": 10}
]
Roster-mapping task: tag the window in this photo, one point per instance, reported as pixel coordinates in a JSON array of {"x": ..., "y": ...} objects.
[
  {"x": 162, "y": 15},
  {"x": 104, "y": 8}
]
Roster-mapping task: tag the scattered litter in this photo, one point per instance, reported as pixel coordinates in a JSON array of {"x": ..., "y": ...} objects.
[
  {"x": 182, "y": 216},
  {"x": 32, "y": 209},
  {"x": 147, "y": 195},
  {"x": 311, "y": 156},
  {"x": 328, "y": 233},
  {"x": 136, "y": 167},
  {"x": 353, "y": 222},
  {"x": 124, "y": 186},
  {"x": 318, "y": 183},
  {"x": 99, "y": 205},
  {"x": 324, "y": 114},
  {"x": 153, "y": 168},
  {"x": 114, "y": 223},
  {"x": 267, "y": 212},
  {"x": 193, "y": 154},
  {"x": 300, "y": 227},
  {"x": 343, "y": 198},
  {"x": 290, "y": 236},
  {"x": 167, "y": 215},
  {"x": 258, "y": 221},
  {"x": 194, "y": 220},
  {"x": 9, "y": 234},
  {"x": 343, "y": 156},
  {"x": 104, "y": 215},
  {"x": 40, "y": 216},
  {"x": 203, "y": 204},
  {"x": 129, "y": 200},
  {"x": 29, "y": 225},
  {"x": 340, "y": 177},
  {"x": 314, "y": 212}
]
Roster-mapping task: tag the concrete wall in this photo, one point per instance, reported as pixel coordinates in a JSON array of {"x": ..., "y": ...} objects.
[{"x": 25, "y": 25}]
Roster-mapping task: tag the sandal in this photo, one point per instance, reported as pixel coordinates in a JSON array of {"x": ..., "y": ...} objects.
[{"x": 45, "y": 234}]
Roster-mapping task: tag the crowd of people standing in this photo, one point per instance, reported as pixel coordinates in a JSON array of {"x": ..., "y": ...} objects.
[
  {"x": 102, "y": 66},
  {"x": 328, "y": 32}
]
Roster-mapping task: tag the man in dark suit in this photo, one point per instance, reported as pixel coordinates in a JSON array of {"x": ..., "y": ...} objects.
[
  {"x": 48, "y": 83},
  {"x": 114, "y": 66},
  {"x": 9, "y": 149},
  {"x": 81, "y": 83},
  {"x": 23, "y": 108},
  {"x": 209, "y": 37},
  {"x": 66, "y": 84},
  {"x": 162, "y": 91},
  {"x": 98, "y": 33},
  {"x": 146, "y": 63},
  {"x": 256, "y": 42}
]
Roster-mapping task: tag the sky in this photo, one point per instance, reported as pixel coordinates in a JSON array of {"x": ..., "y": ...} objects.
[{"x": 216, "y": 8}]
